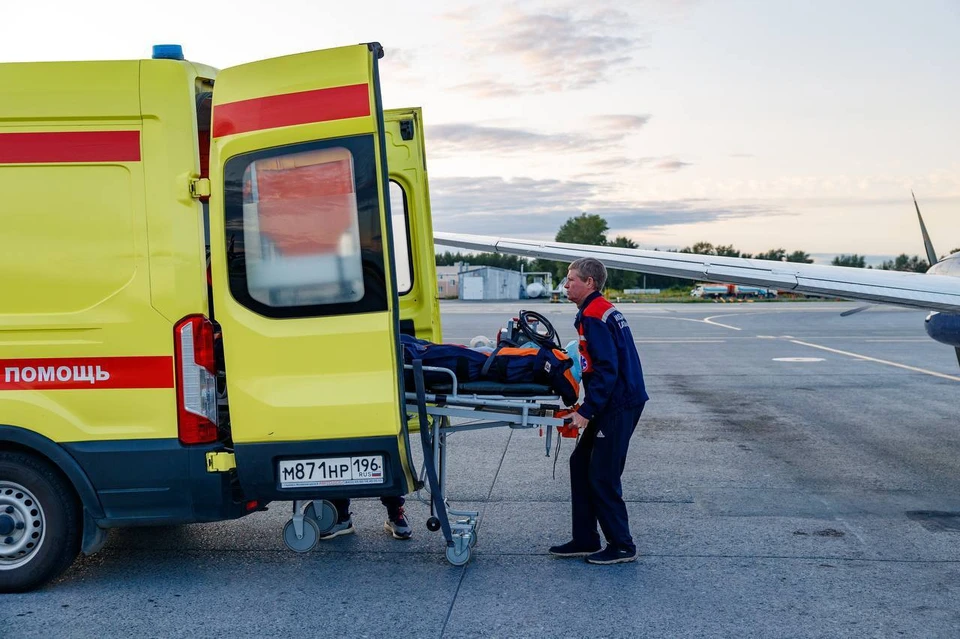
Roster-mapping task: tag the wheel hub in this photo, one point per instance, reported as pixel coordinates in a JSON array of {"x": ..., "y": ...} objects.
[
  {"x": 7, "y": 525},
  {"x": 22, "y": 525}
]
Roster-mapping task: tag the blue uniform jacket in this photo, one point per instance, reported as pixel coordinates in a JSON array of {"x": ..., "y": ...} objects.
[{"x": 612, "y": 375}]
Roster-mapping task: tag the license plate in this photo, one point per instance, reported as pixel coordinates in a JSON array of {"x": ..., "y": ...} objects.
[{"x": 331, "y": 471}]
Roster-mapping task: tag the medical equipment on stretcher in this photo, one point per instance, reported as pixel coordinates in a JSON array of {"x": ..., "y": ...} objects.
[{"x": 529, "y": 326}]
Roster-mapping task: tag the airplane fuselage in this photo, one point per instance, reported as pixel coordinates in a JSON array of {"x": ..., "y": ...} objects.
[{"x": 945, "y": 327}]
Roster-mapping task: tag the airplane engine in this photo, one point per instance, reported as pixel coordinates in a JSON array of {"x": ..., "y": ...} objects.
[{"x": 944, "y": 327}]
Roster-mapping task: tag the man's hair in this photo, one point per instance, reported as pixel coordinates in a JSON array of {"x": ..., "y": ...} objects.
[{"x": 589, "y": 267}]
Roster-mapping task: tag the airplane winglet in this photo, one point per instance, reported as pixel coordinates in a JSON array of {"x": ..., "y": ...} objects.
[{"x": 927, "y": 244}]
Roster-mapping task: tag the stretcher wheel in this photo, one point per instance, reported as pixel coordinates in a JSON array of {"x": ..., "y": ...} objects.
[
  {"x": 458, "y": 558},
  {"x": 473, "y": 538},
  {"x": 325, "y": 519},
  {"x": 433, "y": 524},
  {"x": 311, "y": 535}
]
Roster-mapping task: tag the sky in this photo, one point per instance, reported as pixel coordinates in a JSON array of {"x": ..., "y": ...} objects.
[{"x": 801, "y": 125}]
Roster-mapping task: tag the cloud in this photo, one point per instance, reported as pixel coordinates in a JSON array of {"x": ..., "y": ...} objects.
[
  {"x": 445, "y": 139},
  {"x": 553, "y": 50},
  {"x": 621, "y": 123},
  {"x": 467, "y": 137},
  {"x": 489, "y": 89},
  {"x": 398, "y": 59},
  {"x": 670, "y": 166},
  {"x": 537, "y": 208},
  {"x": 662, "y": 164}
]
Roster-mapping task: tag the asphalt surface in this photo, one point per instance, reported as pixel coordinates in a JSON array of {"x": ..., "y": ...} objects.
[{"x": 795, "y": 474}]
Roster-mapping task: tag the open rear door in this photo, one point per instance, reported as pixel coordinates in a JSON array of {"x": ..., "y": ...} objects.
[
  {"x": 304, "y": 289},
  {"x": 415, "y": 262}
]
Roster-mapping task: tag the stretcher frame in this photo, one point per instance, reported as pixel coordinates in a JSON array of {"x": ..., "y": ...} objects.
[{"x": 434, "y": 411}]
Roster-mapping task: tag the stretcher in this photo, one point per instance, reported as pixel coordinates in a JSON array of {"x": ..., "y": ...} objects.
[
  {"x": 490, "y": 405},
  {"x": 486, "y": 404}
]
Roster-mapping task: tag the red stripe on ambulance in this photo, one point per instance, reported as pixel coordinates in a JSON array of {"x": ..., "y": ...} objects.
[
  {"x": 73, "y": 373},
  {"x": 70, "y": 146},
  {"x": 290, "y": 109}
]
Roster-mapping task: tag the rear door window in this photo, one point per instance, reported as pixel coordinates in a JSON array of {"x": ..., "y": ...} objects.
[{"x": 303, "y": 229}]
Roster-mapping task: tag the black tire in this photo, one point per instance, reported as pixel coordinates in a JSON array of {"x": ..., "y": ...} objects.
[{"x": 55, "y": 517}]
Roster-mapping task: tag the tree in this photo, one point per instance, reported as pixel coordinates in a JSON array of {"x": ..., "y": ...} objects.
[
  {"x": 619, "y": 279},
  {"x": 781, "y": 255},
  {"x": 777, "y": 255},
  {"x": 500, "y": 260},
  {"x": 706, "y": 248},
  {"x": 855, "y": 261},
  {"x": 729, "y": 251},
  {"x": 700, "y": 248},
  {"x": 586, "y": 228},
  {"x": 905, "y": 263}
]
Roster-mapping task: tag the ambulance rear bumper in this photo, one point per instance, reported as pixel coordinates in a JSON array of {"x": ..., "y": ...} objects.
[
  {"x": 154, "y": 482},
  {"x": 258, "y": 468}
]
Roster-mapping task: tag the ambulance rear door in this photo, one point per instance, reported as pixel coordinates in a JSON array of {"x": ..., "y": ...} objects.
[
  {"x": 414, "y": 257},
  {"x": 304, "y": 289}
]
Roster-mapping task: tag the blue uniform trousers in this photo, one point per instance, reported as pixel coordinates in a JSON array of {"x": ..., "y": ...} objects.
[
  {"x": 393, "y": 505},
  {"x": 596, "y": 465}
]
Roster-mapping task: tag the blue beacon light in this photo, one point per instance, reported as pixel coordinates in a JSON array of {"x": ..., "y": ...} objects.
[{"x": 167, "y": 52}]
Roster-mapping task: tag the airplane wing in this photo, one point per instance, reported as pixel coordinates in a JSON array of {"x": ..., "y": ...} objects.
[{"x": 915, "y": 290}]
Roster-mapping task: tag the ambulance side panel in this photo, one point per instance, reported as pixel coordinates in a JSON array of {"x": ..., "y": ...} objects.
[{"x": 100, "y": 258}]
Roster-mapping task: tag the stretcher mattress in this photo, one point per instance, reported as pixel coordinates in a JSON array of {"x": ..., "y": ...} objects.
[{"x": 493, "y": 388}]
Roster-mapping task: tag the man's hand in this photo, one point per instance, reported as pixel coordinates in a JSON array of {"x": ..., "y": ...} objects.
[{"x": 580, "y": 421}]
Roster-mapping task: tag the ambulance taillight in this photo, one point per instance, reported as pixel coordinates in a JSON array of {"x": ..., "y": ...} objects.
[{"x": 196, "y": 380}]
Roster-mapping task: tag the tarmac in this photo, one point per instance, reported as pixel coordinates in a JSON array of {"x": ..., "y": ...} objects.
[{"x": 795, "y": 474}]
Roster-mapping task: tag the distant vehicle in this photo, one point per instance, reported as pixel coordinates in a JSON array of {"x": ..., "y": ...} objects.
[{"x": 715, "y": 291}]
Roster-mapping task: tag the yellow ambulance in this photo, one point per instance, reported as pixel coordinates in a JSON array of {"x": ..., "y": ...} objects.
[{"x": 204, "y": 279}]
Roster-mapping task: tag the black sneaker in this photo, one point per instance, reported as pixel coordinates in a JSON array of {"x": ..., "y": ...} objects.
[
  {"x": 611, "y": 555},
  {"x": 397, "y": 525},
  {"x": 340, "y": 528},
  {"x": 573, "y": 549}
]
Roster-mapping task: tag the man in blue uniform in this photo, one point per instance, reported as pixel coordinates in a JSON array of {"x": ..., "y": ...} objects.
[{"x": 614, "y": 396}]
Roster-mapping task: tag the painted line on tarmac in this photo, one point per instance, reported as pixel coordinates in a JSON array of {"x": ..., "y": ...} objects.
[
  {"x": 687, "y": 319},
  {"x": 707, "y": 320},
  {"x": 878, "y": 361}
]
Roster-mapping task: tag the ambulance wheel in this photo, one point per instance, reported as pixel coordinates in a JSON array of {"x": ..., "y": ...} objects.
[
  {"x": 39, "y": 522},
  {"x": 458, "y": 558},
  {"x": 326, "y": 519},
  {"x": 433, "y": 524},
  {"x": 311, "y": 535}
]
